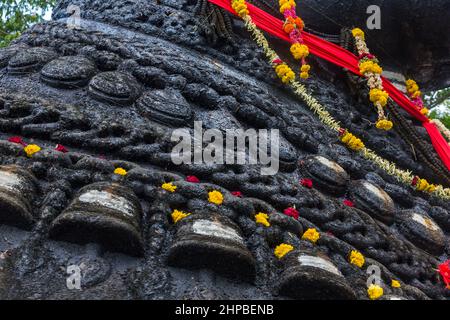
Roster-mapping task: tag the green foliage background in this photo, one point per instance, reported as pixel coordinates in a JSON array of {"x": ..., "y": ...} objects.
[
  {"x": 439, "y": 98},
  {"x": 18, "y": 15}
]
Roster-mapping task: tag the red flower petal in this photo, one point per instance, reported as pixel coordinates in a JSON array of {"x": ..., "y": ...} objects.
[
  {"x": 61, "y": 148},
  {"x": 277, "y": 61},
  {"x": 17, "y": 140},
  {"x": 306, "y": 183},
  {"x": 348, "y": 203},
  {"x": 444, "y": 270},
  {"x": 291, "y": 212},
  {"x": 192, "y": 179},
  {"x": 237, "y": 194}
]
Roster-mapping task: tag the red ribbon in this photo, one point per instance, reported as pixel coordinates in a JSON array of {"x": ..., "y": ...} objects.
[{"x": 343, "y": 58}]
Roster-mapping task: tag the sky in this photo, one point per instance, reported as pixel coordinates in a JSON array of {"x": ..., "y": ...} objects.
[{"x": 48, "y": 15}]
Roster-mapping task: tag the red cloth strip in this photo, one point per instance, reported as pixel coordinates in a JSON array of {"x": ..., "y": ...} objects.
[{"x": 343, "y": 58}]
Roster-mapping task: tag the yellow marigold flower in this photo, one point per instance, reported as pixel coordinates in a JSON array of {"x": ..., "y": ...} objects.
[
  {"x": 240, "y": 6},
  {"x": 413, "y": 88},
  {"x": 374, "y": 292},
  {"x": 31, "y": 149},
  {"x": 305, "y": 68},
  {"x": 395, "y": 284},
  {"x": 356, "y": 258},
  {"x": 120, "y": 171},
  {"x": 178, "y": 215},
  {"x": 311, "y": 235},
  {"x": 377, "y": 69},
  {"x": 410, "y": 83},
  {"x": 370, "y": 67},
  {"x": 286, "y": 5},
  {"x": 377, "y": 95},
  {"x": 431, "y": 188},
  {"x": 282, "y": 250},
  {"x": 352, "y": 142},
  {"x": 285, "y": 73},
  {"x": 262, "y": 218},
  {"x": 384, "y": 124},
  {"x": 422, "y": 185},
  {"x": 215, "y": 197},
  {"x": 357, "y": 32},
  {"x": 169, "y": 187},
  {"x": 416, "y": 94},
  {"x": 304, "y": 75},
  {"x": 424, "y": 111},
  {"x": 299, "y": 51}
]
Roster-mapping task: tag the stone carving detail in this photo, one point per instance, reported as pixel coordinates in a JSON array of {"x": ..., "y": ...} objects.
[
  {"x": 106, "y": 213},
  {"x": 212, "y": 242},
  {"x": 68, "y": 72},
  {"x": 30, "y": 60},
  {"x": 163, "y": 78},
  {"x": 114, "y": 87},
  {"x": 422, "y": 231},
  {"x": 326, "y": 174},
  {"x": 8, "y": 52},
  {"x": 17, "y": 190},
  {"x": 310, "y": 276},
  {"x": 165, "y": 106},
  {"x": 373, "y": 200}
]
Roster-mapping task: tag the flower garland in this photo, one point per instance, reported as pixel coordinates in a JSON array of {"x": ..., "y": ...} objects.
[
  {"x": 369, "y": 67},
  {"x": 293, "y": 26},
  {"x": 416, "y": 95},
  {"x": 351, "y": 141},
  {"x": 390, "y": 168},
  {"x": 423, "y": 185}
]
